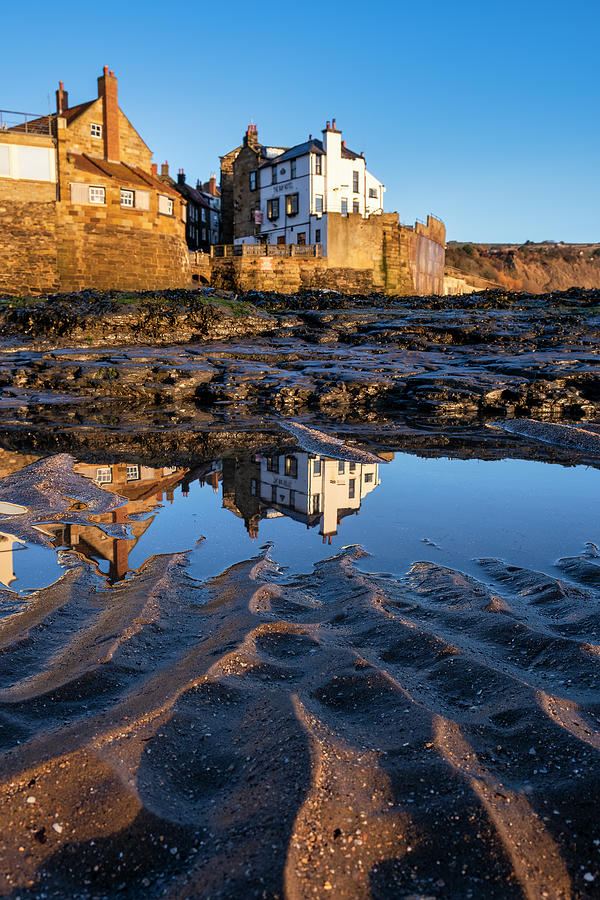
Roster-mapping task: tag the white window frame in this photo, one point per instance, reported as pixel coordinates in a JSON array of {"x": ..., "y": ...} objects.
[
  {"x": 319, "y": 204},
  {"x": 104, "y": 475},
  {"x": 95, "y": 129},
  {"x": 344, "y": 206},
  {"x": 97, "y": 194},
  {"x": 127, "y": 195},
  {"x": 132, "y": 472},
  {"x": 167, "y": 205}
]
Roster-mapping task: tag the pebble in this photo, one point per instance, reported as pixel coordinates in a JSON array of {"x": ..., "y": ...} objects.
[
  {"x": 31, "y": 799},
  {"x": 58, "y": 828},
  {"x": 589, "y": 877}
]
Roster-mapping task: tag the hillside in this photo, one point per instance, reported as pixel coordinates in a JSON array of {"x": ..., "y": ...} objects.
[{"x": 528, "y": 267}]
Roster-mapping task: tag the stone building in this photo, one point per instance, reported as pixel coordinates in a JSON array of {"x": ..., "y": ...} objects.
[
  {"x": 197, "y": 228},
  {"x": 240, "y": 194},
  {"x": 80, "y": 206}
]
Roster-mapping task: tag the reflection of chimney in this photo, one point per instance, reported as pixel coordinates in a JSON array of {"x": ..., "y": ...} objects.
[
  {"x": 107, "y": 91},
  {"x": 214, "y": 480},
  {"x": 62, "y": 98}
]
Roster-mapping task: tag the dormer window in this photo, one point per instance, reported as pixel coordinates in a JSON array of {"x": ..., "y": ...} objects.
[
  {"x": 318, "y": 165},
  {"x": 96, "y": 130}
]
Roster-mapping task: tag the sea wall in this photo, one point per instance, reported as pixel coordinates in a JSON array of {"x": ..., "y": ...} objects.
[{"x": 28, "y": 246}]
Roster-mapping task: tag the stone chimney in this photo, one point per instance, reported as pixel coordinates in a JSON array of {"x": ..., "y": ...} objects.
[
  {"x": 251, "y": 136},
  {"x": 107, "y": 91},
  {"x": 212, "y": 184},
  {"x": 62, "y": 99},
  {"x": 181, "y": 177},
  {"x": 164, "y": 168}
]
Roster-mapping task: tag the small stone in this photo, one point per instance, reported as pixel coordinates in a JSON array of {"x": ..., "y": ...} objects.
[
  {"x": 327, "y": 886},
  {"x": 31, "y": 799},
  {"x": 58, "y": 828},
  {"x": 589, "y": 877}
]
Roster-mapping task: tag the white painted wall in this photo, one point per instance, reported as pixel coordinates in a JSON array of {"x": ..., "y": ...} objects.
[{"x": 27, "y": 163}]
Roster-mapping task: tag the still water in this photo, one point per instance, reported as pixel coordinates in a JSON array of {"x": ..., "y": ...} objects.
[{"x": 308, "y": 507}]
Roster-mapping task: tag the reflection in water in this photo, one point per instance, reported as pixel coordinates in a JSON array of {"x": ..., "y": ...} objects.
[{"x": 313, "y": 490}]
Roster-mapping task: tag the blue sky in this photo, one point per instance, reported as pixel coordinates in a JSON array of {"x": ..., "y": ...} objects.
[{"x": 484, "y": 114}]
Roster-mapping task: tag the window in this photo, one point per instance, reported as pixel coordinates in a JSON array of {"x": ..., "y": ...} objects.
[
  {"x": 273, "y": 208},
  {"x": 302, "y": 238},
  {"x": 272, "y": 464},
  {"x": 96, "y": 130},
  {"x": 317, "y": 467},
  {"x": 355, "y": 206},
  {"x": 253, "y": 487},
  {"x": 127, "y": 198},
  {"x": 273, "y": 494},
  {"x": 104, "y": 475},
  {"x": 273, "y": 174},
  {"x": 204, "y": 234},
  {"x": 253, "y": 184},
  {"x": 293, "y": 168},
  {"x": 319, "y": 204},
  {"x": 368, "y": 477},
  {"x": 291, "y": 204},
  {"x": 373, "y": 193},
  {"x": 344, "y": 207},
  {"x": 292, "y": 499},
  {"x": 291, "y": 466},
  {"x": 97, "y": 195},
  {"x": 351, "y": 488},
  {"x": 281, "y": 239},
  {"x": 318, "y": 165},
  {"x": 203, "y": 215},
  {"x": 165, "y": 205},
  {"x": 355, "y": 182},
  {"x": 352, "y": 467},
  {"x": 341, "y": 467},
  {"x": 317, "y": 235},
  {"x": 316, "y": 503},
  {"x": 133, "y": 473}
]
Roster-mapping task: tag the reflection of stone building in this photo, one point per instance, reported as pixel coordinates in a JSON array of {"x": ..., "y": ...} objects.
[
  {"x": 314, "y": 490},
  {"x": 143, "y": 487}
]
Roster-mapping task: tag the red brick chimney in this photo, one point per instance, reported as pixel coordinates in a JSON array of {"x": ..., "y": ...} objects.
[
  {"x": 212, "y": 184},
  {"x": 107, "y": 90},
  {"x": 62, "y": 98},
  {"x": 154, "y": 169},
  {"x": 164, "y": 168}
]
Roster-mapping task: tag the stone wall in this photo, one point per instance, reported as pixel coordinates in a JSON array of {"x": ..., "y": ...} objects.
[
  {"x": 91, "y": 255},
  {"x": 28, "y": 265}
]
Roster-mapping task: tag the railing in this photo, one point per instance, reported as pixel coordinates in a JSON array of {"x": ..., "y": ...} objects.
[
  {"x": 302, "y": 251},
  {"x": 27, "y": 123}
]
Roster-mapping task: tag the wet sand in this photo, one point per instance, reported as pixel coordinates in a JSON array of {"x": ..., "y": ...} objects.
[{"x": 344, "y": 735}]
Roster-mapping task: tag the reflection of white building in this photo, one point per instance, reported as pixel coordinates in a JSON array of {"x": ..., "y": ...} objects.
[
  {"x": 314, "y": 489},
  {"x": 7, "y": 566}
]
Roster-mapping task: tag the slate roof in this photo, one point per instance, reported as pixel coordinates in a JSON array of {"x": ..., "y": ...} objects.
[
  {"x": 120, "y": 172},
  {"x": 298, "y": 150}
]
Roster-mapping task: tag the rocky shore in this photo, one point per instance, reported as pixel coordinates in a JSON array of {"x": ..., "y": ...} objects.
[{"x": 353, "y": 358}]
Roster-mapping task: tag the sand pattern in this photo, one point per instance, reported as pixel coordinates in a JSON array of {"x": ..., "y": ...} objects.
[{"x": 331, "y": 735}]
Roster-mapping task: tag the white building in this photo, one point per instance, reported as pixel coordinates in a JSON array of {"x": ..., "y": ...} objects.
[
  {"x": 300, "y": 186},
  {"x": 314, "y": 489}
]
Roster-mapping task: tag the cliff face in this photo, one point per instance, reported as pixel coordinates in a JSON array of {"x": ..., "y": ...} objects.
[{"x": 529, "y": 267}]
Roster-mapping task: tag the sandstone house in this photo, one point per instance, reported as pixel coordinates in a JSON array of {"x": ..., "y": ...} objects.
[{"x": 80, "y": 205}]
